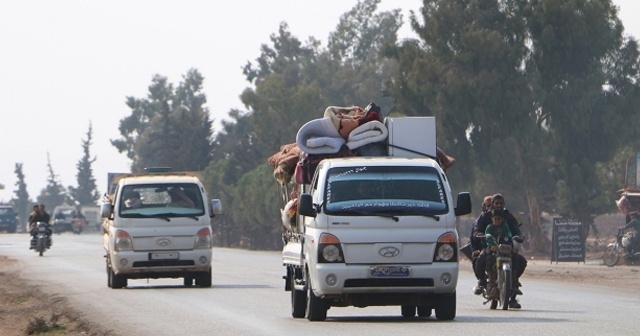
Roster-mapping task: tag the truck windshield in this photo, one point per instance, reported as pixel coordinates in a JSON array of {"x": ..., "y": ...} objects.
[
  {"x": 386, "y": 189},
  {"x": 161, "y": 200}
]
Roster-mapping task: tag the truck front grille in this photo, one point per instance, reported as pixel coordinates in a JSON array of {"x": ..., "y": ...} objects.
[{"x": 355, "y": 283}]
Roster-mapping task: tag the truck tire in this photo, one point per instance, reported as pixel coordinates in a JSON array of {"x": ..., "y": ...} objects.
[
  {"x": 424, "y": 311},
  {"x": 316, "y": 307},
  {"x": 188, "y": 281},
  {"x": 408, "y": 311},
  {"x": 446, "y": 306},
  {"x": 298, "y": 299},
  {"x": 12, "y": 228},
  {"x": 117, "y": 281},
  {"x": 204, "y": 279}
]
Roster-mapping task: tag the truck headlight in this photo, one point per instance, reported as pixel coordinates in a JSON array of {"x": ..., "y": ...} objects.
[
  {"x": 203, "y": 239},
  {"x": 123, "y": 241}
]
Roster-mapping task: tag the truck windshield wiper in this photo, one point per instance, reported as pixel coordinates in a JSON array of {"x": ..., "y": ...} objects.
[
  {"x": 167, "y": 215},
  {"x": 373, "y": 213},
  {"x": 419, "y": 213}
]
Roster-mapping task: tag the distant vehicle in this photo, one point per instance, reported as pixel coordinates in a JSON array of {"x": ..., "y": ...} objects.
[
  {"x": 64, "y": 218},
  {"x": 8, "y": 218},
  {"x": 158, "y": 225},
  {"x": 93, "y": 220}
]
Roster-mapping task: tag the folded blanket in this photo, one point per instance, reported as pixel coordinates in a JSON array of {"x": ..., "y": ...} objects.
[
  {"x": 284, "y": 162},
  {"x": 319, "y": 136},
  {"x": 370, "y": 132},
  {"x": 348, "y": 118}
]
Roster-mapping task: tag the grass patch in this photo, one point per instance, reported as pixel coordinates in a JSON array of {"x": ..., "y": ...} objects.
[{"x": 39, "y": 325}]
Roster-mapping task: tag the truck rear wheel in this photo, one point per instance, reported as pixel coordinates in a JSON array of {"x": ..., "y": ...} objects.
[
  {"x": 408, "y": 311},
  {"x": 298, "y": 299},
  {"x": 424, "y": 311}
]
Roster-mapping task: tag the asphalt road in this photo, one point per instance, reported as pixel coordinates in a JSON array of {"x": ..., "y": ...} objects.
[{"x": 247, "y": 298}]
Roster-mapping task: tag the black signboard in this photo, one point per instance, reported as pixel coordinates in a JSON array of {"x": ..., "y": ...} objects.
[{"x": 568, "y": 240}]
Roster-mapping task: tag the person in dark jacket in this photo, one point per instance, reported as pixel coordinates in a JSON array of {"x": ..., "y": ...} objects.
[
  {"x": 497, "y": 232},
  {"x": 634, "y": 241},
  {"x": 518, "y": 261},
  {"x": 476, "y": 248}
]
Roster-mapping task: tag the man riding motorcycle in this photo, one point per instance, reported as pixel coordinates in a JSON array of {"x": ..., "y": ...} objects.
[
  {"x": 634, "y": 241},
  {"x": 519, "y": 262},
  {"x": 38, "y": 215}
]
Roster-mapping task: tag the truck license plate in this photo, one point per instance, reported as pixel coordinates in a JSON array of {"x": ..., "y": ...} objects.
[
  {"x": 164, "y": 256},
  {"x": 390, "y": 271}
]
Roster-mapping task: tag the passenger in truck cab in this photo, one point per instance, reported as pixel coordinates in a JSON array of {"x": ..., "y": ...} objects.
[
  {"x": 133, "y": 200},
  {"x": 180, "y": 199}
]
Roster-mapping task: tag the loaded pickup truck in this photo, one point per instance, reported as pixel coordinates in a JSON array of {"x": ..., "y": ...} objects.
[{"x": 375, "y": 230}]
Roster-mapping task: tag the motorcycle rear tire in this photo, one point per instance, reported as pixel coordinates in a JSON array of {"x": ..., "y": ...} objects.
[{"x": 611, "y": 256}]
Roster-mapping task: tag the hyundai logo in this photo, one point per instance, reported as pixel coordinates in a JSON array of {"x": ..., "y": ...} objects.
[
  {"x": 389, "y": 252},
  {"x": 163, "y": 242}
]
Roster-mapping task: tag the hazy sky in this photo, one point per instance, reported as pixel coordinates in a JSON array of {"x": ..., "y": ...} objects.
[{"x": 65, "y": 64}]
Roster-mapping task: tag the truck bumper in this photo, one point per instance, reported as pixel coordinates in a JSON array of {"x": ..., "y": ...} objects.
[
  {"x": 341, "y": 279},
  {"x": 160, "y": 264}
]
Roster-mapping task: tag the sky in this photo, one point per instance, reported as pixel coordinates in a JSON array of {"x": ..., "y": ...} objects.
[{"x": 68, "y": 64}]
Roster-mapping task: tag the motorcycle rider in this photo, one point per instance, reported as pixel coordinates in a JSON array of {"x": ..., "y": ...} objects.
[
  {"x": 476, "y": 247},
  {"x": 39, "y": 214},
  {"x": 59, "y": 215},
  {"x": 519, "y": 263},
  {"x": 495, "y": 233},
  {"x": 634, "y": 241}
]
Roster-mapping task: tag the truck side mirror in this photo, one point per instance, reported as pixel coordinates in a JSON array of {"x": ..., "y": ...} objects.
[
  {"x": 305, "y": 206},
  {"x": 463, "y": 204},
  {"x": 216, "y": 207},
  {"x": 105, "y": 210}
]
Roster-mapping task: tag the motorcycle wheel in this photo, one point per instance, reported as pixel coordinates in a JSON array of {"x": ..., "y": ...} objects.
[
  {"x": 40, "y": 246},
  {"x": 505, "y": 289},
  {"x": 611, "y": 256}
]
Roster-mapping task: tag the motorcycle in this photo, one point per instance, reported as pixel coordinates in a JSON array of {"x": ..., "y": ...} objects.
[
  {"x": 503, "y": 291},
  {"x": 78, "y": 224},
  {"x": 621, "y": 247},
  {"x": 41, "y": 237}
]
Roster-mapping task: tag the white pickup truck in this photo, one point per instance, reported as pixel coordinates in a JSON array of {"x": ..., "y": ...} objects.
[
  {"x": 375, "y": 231},
  {"x": 158, "y": 225}
]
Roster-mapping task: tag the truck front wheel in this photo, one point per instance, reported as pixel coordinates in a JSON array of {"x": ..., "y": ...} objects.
[
  {"x": 446, "y": 306},
  {"x": 204, "y": 279},
  {"x": 117, "y": 281},
  {"x": 316, "y": 307}
]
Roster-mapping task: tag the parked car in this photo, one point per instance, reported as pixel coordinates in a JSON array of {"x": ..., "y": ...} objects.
[{"x": 8, "y": 218}]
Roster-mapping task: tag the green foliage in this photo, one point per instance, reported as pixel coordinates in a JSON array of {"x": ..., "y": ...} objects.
[
  {"x": 255, "y": 210},
  {"x": 21, "y": 202},
  {"x": 585, "y": 70},
  {"x": 171, "y": 127},
  {"x": 86, "y": 194},
  {"x": 294, "y": 83},
  {"x": 54, "y": 193},
  {"x": 534, "y": 99}
]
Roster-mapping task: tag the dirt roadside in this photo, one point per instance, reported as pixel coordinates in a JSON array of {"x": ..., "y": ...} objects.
[{"x": 24, "y": 308}]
